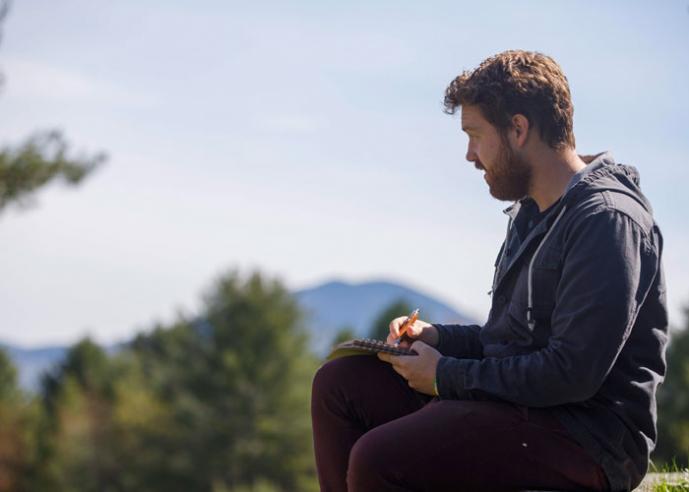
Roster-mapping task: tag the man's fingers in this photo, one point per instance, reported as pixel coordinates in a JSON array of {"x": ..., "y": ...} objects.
[
  {"x": 395, "y": 327},
  {"x": 384, "y": 356},
  {"x": 399, "y": 370},
  {"x": 418, "y": 346},
  {"x": 396, "y": 361}
]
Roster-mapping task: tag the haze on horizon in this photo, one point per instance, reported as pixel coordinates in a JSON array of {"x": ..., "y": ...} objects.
[{"x": 305, "y": 140}]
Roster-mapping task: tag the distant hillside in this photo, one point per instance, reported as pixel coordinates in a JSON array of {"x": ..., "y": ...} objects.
[
  {"x": 329, "y": 307},
  {"x": 32, "y": 363},
  {"x": 333, "y": 305}
]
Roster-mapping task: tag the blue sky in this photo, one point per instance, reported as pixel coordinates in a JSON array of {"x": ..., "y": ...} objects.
[{"x": 305, "y": 139}]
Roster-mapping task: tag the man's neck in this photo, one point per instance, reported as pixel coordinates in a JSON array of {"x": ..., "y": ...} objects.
[{"x": 551, "y": 172}]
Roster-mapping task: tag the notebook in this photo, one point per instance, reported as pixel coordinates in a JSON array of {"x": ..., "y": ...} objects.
[{"x": 367, "y": 346}]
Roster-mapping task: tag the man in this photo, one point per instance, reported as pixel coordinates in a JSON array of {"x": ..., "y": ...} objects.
[{"x": 557, "y": 389}]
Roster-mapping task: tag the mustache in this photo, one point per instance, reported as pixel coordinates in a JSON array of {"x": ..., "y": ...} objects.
[{"x": 478, "y": 165}]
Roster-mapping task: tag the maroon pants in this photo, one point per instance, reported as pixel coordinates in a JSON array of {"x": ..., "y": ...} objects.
[{"x": 373, "y": 433}]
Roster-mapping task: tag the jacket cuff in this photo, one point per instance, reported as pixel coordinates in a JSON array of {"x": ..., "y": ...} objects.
[
  {"x": 449, "y": 376},
  {"x": 441, "y": 335}
]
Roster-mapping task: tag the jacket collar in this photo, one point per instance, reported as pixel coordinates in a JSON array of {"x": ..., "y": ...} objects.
[{"x": 595, "y": 165}]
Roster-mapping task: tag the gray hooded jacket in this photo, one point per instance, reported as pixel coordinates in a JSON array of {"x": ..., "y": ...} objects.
[{"x": 578, "y": 321}]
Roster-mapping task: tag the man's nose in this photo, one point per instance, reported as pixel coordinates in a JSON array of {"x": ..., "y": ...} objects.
[{"x": 471, "y": 155}]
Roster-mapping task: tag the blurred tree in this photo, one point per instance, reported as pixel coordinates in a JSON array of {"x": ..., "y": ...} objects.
[
  {"x": 8, "y": 377},
  {"x": 16, "y": 424},
  {"x": 144, "y": 432},
  {"x": 42, "y": 158},
  {"x": 673, "y": 402},
  {"x": 237, "y": 382},
  {"x": 75, "y": 440},
  {"x": 159, "y": 415},
  {"x": 88, "y": 364},
  {"x": 4, "y": 8},
  {"x": 343, "y": 334},
  {"x": 381, "y": 326},
  {"x": 38, "y": 161},
  {"x": 263, "y": 370}
]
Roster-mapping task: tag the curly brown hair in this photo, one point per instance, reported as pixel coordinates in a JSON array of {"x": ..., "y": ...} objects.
[{"x": 518, "y": 82}]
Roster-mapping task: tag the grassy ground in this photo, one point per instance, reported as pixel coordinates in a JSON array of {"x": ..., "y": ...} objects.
[{"x": 665, "y": 482}]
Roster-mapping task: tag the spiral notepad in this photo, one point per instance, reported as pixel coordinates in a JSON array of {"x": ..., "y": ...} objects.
[{"x": 367, "y": 346}]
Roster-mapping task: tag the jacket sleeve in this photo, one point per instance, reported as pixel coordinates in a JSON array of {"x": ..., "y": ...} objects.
[
  {"x": 459, "y": 341},
  {"x": 609, "y": 264}
]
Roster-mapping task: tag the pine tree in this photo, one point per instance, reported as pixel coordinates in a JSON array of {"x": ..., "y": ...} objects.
[
  {"x": 673, "y": 402},
  {"x": 381, "y": 326}
]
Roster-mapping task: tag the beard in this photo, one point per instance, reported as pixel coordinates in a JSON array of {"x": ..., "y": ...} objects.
[{"x": 509, "y": 178}]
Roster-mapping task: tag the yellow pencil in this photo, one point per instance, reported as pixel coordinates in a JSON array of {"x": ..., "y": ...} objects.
[{"x": 411, "y": 319}]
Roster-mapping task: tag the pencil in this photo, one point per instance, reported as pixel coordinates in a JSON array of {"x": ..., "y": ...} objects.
[{"x": 411, "y": 319}]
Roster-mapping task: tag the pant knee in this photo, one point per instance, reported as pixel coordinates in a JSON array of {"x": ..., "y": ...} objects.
[
  {"x": 326, "y": 389},
  {"x": 369, "y": 462},
  {"x": 326, "y": 377},
  {"x": 344, "y": 373}
]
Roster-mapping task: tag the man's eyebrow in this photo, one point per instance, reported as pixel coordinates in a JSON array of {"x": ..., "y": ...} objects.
[{"x": 468, "y": 128}]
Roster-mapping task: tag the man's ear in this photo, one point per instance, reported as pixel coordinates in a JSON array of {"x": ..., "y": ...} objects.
[{"x": 520, "y": 129}]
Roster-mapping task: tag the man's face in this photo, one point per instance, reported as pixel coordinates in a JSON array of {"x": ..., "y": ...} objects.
[{"x": 508, "y": 176}]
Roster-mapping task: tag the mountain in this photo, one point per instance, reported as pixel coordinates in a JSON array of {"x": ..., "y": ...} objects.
[
  {"x": 328, "y": 308},
  {"x": 334, "y": 305},
  {"x": 32, "y": 363}
]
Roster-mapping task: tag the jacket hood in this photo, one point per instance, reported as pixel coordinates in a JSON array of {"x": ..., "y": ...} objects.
[{"x": 602, "y": 173}]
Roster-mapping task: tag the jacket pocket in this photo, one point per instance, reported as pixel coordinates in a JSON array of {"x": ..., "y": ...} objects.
[{"x": 547, "y": 270}]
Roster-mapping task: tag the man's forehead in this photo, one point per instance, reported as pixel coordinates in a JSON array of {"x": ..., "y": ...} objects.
[{"x": 471, "y": 118}]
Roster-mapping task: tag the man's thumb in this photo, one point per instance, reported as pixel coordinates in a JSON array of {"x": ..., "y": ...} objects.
[{"x": 418, "y": 346}]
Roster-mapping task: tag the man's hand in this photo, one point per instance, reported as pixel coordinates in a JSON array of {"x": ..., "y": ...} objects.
[
  {"x": 420, "y": 330},
  {"x": 418, "y": 370}
]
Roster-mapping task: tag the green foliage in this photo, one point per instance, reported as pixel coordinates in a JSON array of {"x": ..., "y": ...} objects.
[
  {"x": 260, "y": 371},
  {"x": 41, "y": 159},
  {"x": 381, "y": 326},
  {"x": 665, "y": 485},
  {"x": 9, "y": 442},
  {"x": 87, "y": 365},
  {"x": 343, "y": 334},
  {"x": 8, "y": 377},
  {"x": 76, "y": 435},
  {"x": 217, "y": 403},
  {"x": 17, "y": 421},
  {"x": 673, "y": 402}
]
